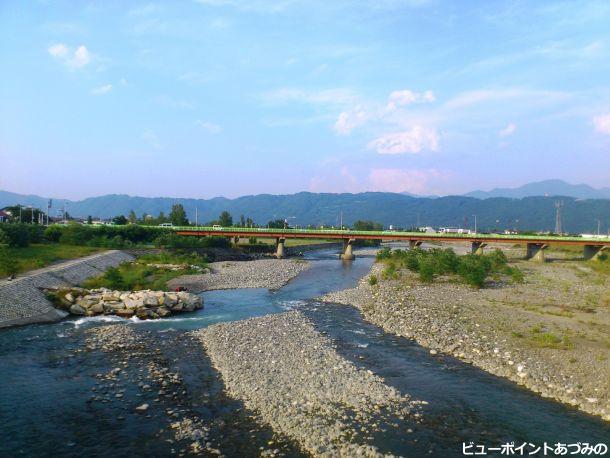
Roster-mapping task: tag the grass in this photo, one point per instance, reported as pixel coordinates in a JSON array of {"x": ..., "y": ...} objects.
[
  {"x": 142, "y": 275},
  {"x": 36, "y": 256},
  {"x": 545, "y": 339}
]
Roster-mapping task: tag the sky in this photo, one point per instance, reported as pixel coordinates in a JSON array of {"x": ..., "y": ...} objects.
[{"x": 204, "y": 98}]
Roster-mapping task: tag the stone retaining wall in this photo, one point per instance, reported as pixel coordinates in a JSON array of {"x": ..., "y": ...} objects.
[{"x": 22, "y": 301}]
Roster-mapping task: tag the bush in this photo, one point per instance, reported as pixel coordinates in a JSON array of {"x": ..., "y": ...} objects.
[
  {"x": 473, "y": 270},
  {"x": 426, "y": 270},
  {"x": 18, "y": 234},
  {"x": 373, "y": 280},
  {"x": 169, "y": 240},
  {"x": 52, "y": 234}
]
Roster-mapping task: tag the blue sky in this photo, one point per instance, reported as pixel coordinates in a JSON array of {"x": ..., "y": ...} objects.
[{"x": 226, "y": 98}]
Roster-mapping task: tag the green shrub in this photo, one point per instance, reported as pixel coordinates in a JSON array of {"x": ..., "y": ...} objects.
[
  {"x": 18, "y": 234},
  {"x": 384, "y": 254},
  {"x": 426, "y": 270},
  {"x": 473, "y": 269},
  {"x": 52, "y": 234},
  {"x": 373, "y": 280}
]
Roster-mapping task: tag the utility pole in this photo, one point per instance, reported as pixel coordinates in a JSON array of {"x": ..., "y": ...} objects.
[
  {"x": 49, "y": 205},
  {"x": 558, "y": 206},
  {"x": 475, "y": 223},
  {"x": 196, "y": 218},
  {"x": 598, "y": 226},
  {"x": 341, "y": 219}
]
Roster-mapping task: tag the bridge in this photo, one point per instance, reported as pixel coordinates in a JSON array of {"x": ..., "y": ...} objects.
[{"x": 535, "y": 244}]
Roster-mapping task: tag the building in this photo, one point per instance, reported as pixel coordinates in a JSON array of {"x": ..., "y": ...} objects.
[{"x": 4, "y": 216}]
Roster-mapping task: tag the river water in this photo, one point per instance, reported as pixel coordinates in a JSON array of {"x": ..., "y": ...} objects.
[{"x": 46, "y": 383}]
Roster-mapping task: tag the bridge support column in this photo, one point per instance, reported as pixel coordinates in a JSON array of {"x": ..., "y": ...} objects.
[
  {"x": 593, "y": 251},
  {"x": 477, "y": 247},
  {"x": 347, "y": 254},
  {"x": 535, "y": 251},
  {"x": 236, "y": 240},
  {"x": 279, "y": 252},
  {"x": 415, "y": 243}
]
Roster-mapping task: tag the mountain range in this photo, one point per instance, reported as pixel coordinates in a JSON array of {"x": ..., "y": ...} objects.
[
  {"x": 545, "y": 188},
  {"x": 579, "y": 214}
]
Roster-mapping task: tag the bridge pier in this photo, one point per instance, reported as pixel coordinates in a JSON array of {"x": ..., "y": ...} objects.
[
  {"x": 477, "y": 247},
  {"x": 593, "y": 252},
  {"x": 415, "y": 243},
  {"x": 279, "y": 252},
  {"x": 535, "y": 251},
  {"x": 347, "y": 254}
]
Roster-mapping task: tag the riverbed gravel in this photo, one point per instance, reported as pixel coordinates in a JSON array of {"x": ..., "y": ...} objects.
[
  {"x": 501, "y": 327},
  {"x": 261, "y": 273},
  {"x": 296, "y": 382}
]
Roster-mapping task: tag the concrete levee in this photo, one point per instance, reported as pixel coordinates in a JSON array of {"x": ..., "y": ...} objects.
[{"x": 23, "y": 302}]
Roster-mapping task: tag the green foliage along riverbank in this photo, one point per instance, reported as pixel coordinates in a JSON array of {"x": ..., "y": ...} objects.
[
  {"x": 151, "y": 271},
  {"x": 471, "y": 269}
]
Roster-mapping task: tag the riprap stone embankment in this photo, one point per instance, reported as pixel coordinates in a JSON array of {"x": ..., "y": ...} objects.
[{"x": 22, "y": 300}]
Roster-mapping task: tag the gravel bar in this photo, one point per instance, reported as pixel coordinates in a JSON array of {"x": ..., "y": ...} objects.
[
  {"x": 474, "y": 326},
  {"x": 262, "y": 273},
  {"x": 299, "y": 385}
]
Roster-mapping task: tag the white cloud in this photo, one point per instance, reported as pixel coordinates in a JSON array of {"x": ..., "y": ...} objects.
[
  {"x": 415, "y": 181},
  {"x": 602, "y": 123},
  {"x": 209, "y": 126},
  {"x": 151, "y": 138},
  {"x": 59, "y": 50},
  {"x": 73, "y": 60},
  {"x": 335, "y": 96},
  {"x": 105, "y": 89},
  {"x": 508, "y": 130},
  {"x": 413, "y": 141},
  {"x": 408, "y": 97},
  {"x": 348, "y": 120}
]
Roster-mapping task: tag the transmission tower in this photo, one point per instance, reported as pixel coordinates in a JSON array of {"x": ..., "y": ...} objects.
[{"x": 558, "y": 207}]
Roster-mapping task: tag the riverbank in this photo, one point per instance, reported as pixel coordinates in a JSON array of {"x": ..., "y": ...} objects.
[
  {"x": 549, "y": 334},
  {"x": 290, "y": 375},
  {"x": 23, "y": 302},
  {"x": 261, "y": 273}
]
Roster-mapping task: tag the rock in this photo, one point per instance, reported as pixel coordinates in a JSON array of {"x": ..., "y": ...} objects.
[
  {"x": 125, "y": 313},
  {"x": 76, "y": 309},
  {"x": 163, "y": 312},
  {"x": 97, "y": 308},
  {"x": 142, "y": 408},
  {"x": 70, "y": 298}
]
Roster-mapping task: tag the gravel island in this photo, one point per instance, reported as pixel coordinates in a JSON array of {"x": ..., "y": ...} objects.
[
  {"x": 261, "y": 273},
  {"x": 298, "y": 384}
]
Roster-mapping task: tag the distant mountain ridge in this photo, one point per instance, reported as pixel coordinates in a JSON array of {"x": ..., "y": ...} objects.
[
  {"x": 528, "y": 213},
  {"x": 545, "y": 188}
]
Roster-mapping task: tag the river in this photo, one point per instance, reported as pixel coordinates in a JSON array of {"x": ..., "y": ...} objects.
[{"x": 46, "y": 381}]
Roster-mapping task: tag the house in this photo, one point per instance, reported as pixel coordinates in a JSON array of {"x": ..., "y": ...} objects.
[{"x": 4, "y": 216}]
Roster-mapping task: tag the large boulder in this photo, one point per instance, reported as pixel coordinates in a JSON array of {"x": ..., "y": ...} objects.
[{"x": 76, "y": 309}]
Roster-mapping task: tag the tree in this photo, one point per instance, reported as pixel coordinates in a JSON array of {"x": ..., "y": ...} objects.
[
  {"x": 249, "y": 222},
  {"x": 119, "y": 220},
  {"x": 225, "y": 219},
  {"x": 242, "y": 221},
  {"x": 89, "y": 220},
  {"x": 178, "y": 216},
  {"x": 365, "y": 225},
  {"x": 161, "y": 218},
  {"x": 277, "y": 224},
  {"x": 133, "y": 219}
]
